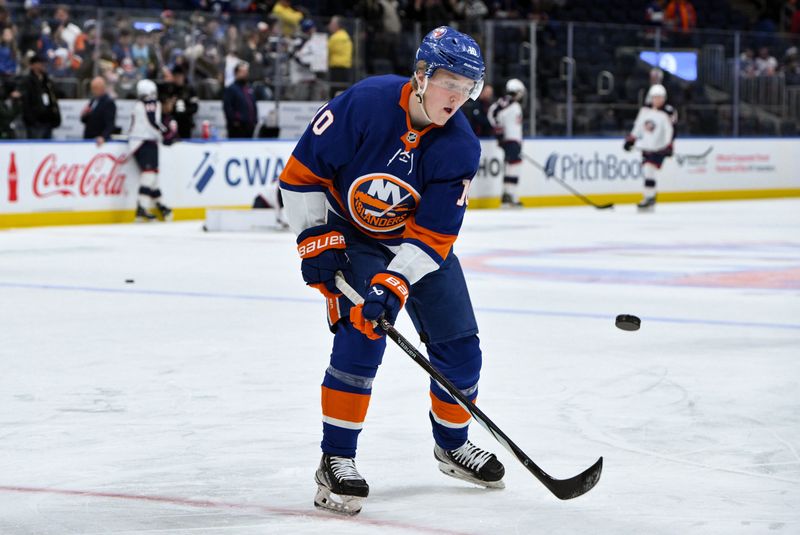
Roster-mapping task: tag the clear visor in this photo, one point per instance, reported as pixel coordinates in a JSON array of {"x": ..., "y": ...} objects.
[{"x": 465, "y": 89}]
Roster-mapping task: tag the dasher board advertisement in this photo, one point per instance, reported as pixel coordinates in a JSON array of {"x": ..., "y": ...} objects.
[{"x": 52, "y": 179}]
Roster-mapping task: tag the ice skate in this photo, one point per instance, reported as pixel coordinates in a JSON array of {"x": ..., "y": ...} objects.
[
  {"x": 507, "y": 201},
  {"x": 472, "y": 464},
  {"x": 648, "y": 204},
  {"x": 340, "y": 488},
  {"x": 166, "y": 212},
  {"x": 143, "y": 215}
]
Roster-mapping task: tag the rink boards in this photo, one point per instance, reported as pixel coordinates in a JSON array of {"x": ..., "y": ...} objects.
[{"x": 75, "y": 182}]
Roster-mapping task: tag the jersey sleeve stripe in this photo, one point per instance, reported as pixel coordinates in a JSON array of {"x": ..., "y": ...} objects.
[
  {"x": 297, "y": 174},
  {"x": 437, "y": 242}
]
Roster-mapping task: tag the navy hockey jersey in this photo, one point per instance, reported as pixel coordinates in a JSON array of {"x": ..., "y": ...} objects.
[{"x": 361, "y": 158}]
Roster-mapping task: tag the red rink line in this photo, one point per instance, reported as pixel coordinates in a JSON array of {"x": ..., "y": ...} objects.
[{"x": 228, "y": 505}]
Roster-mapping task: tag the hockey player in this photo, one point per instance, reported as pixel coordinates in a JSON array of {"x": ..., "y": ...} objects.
[
  {"x": 653, "y": 134},
  {"x": 146, "y": 131},
  {"x": 377, "y": 188},
  {"x": 505, "y": 115}
]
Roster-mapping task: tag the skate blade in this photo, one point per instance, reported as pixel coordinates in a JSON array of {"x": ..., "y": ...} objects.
[
  {"x": 452, "y": 471},
  {"x": 336, "y": 503}
]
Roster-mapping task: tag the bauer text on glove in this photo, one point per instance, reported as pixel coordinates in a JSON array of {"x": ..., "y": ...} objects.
[
  {"x": 385, "y": 297},
  {"x": 322, "y": 250}
]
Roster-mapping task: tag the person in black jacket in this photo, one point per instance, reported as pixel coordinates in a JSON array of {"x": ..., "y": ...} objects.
[
  {"x": 100, "y": 114},
  {"x": 240, "y": 105},
  {"x": 185, "y": 102},
  {"x": 39, "y": 103}
]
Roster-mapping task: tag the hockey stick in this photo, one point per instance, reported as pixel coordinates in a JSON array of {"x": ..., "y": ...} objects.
[
  {"x": 549, "y": 172},
  {"x": 563, "y": 489}
]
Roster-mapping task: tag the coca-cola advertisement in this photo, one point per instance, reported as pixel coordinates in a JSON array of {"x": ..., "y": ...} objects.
[
  {"x": 102, "y": 175},
  {"x": 68, "y": 177}
]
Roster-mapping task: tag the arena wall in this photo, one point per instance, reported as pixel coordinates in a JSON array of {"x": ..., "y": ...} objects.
[{"x": 74, "y": 182}]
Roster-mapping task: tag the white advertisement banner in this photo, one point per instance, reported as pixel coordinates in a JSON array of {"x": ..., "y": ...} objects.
[
  {"x": 601, "y": 166},
  {"x": 41, "y": 177}
]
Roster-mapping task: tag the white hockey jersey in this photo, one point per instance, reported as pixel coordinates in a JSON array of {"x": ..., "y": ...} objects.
[
  {"x": 145, "y": 124},
  {"x": 653, "y": 130},
  {"x": 505, "y": 115}
]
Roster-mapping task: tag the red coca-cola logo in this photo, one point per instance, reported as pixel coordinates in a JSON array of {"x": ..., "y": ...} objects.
[{"x": 101, "y": 176}]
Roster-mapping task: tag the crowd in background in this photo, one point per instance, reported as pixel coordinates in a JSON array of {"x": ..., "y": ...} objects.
[{"x": 304, "y": 50}]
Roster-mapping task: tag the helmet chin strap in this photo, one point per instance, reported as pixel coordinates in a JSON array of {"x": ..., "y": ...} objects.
[{"x": 420, "y": 93}]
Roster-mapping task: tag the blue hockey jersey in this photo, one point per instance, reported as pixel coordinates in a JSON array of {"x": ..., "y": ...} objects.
[{"x": 361, "y": 158}]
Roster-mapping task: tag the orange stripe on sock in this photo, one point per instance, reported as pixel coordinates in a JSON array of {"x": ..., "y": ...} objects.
[
  {"x": 449, "y": 412},
  {"x": 344, "y": 405}
]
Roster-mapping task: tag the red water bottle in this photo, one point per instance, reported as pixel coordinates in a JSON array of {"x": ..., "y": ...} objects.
[
  {"x": 12, "y": 180},
  {"x": 205, "y": 130}
]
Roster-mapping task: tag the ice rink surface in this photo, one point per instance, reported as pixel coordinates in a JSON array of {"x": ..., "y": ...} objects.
[{"x": 187, "y": 402}]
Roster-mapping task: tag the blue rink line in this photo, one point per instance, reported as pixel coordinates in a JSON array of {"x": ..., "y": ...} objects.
[{"x": 489, "y": 310}]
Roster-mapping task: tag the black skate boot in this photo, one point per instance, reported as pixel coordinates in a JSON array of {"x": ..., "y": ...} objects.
[
  {"x": 472, "y": 464},
  {"x": 340, "y": 488},
  {"x": 648, "y": 204},
  {"x": 166, "y": 212},
  {"x": 142, "y": 214},
  {"x": 507, "y": 201}
]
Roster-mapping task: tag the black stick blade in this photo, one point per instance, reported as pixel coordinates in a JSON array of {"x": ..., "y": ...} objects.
[{"x": 566, "y": 489}]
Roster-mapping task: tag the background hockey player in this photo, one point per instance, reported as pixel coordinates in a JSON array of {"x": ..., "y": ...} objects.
[
  {"x": 145, "y": 133},
  {"x": 506, "y": 118},
  {"x": 377, "y": 187},
  {"x": 653, "y": 134}
]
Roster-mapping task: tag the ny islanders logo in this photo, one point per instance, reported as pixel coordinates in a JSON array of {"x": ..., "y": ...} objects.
[{"x": 381, "y": 202}]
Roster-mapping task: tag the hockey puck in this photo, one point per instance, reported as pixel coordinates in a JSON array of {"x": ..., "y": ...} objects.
[
  {"x": 628, "y": 322},
  {"x": 128, "y": 281}
]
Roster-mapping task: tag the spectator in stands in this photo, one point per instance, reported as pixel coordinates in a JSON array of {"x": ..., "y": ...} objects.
[
  {"x": 126, "y": 78},
  {"x": 144, "y": 55},
  {"x": 747, "y": 63},
  {"x": 5, "y": 17},
  {"x": 429, "y": 13},
  {"x": 470, "y": 15},
  {"x": 100, "y": 114},
  {"x": 239, "y": 105},
  {"x": 680, "y": 16},
  {"x": 251, "y": 52},
  {"x": 123, "y": 47},
  {"x": 765, "y": 63},
  {"x": 186, "y": 102},
  {"x": 39, "y": 102},
  {"x": 30, "y": 29},
  {"x": 288, "y": 16},
  {"x": 10, "y": 108},
  {"x": 308, "y": 57},
  {"x": 9, "y": 54},
  {"x": 170, "y": 36},
  {"x": 505, "y": 9},
  {"x": 340, "y": 56}
]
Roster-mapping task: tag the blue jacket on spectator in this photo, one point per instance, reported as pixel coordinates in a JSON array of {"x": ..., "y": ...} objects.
[{"x": 240, "y": 109}]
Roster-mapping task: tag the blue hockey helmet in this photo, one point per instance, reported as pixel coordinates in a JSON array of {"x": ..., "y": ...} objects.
[{"x": 449, "y": 49}]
